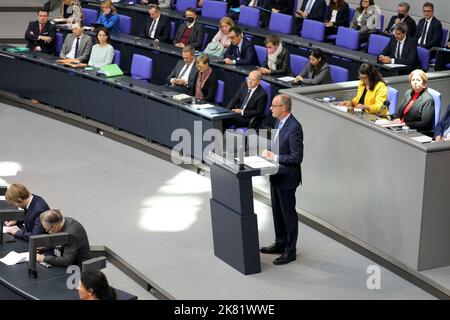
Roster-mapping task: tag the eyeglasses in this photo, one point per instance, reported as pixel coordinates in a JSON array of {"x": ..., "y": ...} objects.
[
  {"x": 363, "y": 77},
  {"x": 232, "y": 37},
  {"x": 276, "y": 105},
  {"x": 48, "y": 231},
  {"x": 427, "y": 10}
]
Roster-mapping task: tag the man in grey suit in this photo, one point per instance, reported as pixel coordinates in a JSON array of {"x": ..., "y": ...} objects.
[
  {"x": 183, "y": 76},
  {"x": 77, "y": 45},
  {"x": 76, "y": 250}
]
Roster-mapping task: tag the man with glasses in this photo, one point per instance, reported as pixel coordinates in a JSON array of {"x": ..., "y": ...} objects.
[
  {"x": 249, "y": 103},
  {"x": 287, "y": 150},
  {"x": 18, "y": 195},
  {"x": 402, "y": 16},
  {"x": 401, "y": 49},
  {"x": 241, "y": 51},
  {"x": 429, "y": 29},
  {"x": 75, "y": 251},
  {"x": 157, "y": 25}
]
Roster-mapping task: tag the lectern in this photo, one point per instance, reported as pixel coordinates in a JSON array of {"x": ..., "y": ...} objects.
[{"x": 234, "y": 222}]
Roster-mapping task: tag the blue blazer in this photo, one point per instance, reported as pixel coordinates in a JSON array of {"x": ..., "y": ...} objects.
[
  {"x": 32, "y": 223},
  {"x": 318, "y": 10},
  {"x": 434, "y": 33},
  {"x": 110, "y": 22},
  {"x": 290, "y": 155},
  {"x": 247, "y": 53},
  {"x": 443, "y": 124}
]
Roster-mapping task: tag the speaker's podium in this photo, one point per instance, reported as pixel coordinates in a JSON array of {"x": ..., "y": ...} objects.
[{"x": 234, "y": 222}]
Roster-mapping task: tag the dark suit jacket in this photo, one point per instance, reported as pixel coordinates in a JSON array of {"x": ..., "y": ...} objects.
[
  {"x": 421, "y": 114},
  {"x": 247, "y": 53},
  {"x": 409, "y": 22},
  {"x": 283, "y": 63},
  {"x": 255, "y": 106},
  {"x": 285, "y": 6},
  {"x": 342, "y": 17},
  {"x": 290, "y": 155},
  {"x": 443, "y": 124},
  {"x": 32, "y": 34},
  {"x": 162, "y": 32},
  {"x": 409, "y": 52},
  {"x": 189, "y": 89},
  {"x": 195, "y": 39},
  {"x": 77, "y": 250},
  {"x": 32, "y": 223},
  {"x": 434, "y": 33},
  {"x": 318, "y": 10},
  {"x": 209, "y": 89}
]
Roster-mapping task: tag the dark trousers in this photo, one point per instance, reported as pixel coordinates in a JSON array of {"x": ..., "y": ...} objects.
[{"x": 285, "y": 218}]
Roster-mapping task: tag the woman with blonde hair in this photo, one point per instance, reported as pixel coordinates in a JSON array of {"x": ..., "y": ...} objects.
[
  {"x": 417, "y": 107},
  {"x": 109, "y": 17},
  {"x": 70, "y": 12}
]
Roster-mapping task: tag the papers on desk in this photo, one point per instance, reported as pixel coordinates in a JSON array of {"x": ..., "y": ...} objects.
[
  {"x": 383, "y": 122},
  {"x": 256, "y": 162},
  {"x": 286, "y": 79},
  {"x": 337, "y": 106},
  {"x": 13, "y": 258},
  {"x": 422, "y": 139},
  {"x": 4, "y": 229},
  {"x": 181, "y": 97},
  {"x": 395, "y": 65},
  {"x": 202, "y": 106}
]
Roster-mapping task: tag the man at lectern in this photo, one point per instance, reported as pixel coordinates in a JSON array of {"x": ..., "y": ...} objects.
[{"x": 287, "y": 150}]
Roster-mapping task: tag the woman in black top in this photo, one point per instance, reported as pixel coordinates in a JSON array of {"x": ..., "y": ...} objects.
[
  {"x": 94, "y": 286},
  {"x": 278, "y": 60},
  {"x": 317, "y": 71},
  {"x": 337, "y": 15},
  {"x": 206, "y": 83}
]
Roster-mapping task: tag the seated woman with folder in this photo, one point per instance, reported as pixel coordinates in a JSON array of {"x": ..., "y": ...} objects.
[{"x": 372, "y": 91}]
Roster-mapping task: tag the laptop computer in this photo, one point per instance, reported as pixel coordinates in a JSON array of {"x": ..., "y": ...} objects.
[{"x": 96, "y": 25}]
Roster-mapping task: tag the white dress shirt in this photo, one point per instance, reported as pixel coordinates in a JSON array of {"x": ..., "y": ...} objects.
[{"x": 71, "y": 53}]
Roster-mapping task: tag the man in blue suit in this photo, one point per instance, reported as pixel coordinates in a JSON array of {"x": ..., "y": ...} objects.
[
  {"x": 241, "y": 51},
  {"x": 429, "y": 29},
  {"x": 287, "y": 150},
  {"x": 19, "y": 196},
  {"x": 442, "y": 129}
]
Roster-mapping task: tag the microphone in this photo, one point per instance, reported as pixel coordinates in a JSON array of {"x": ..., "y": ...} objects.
[{"x": 380, "y": 114}]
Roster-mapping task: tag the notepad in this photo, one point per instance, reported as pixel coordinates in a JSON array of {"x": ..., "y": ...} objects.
[
  {"x": 203, "y": 106},
  {"x": 340, "y": 108},
  {"x": 422, "y": 139},
  {"x": 13, "y": 258},
  {"x": 256, "y": 162},
  {"x": 286, "y": 79},
  {"x": 395, "y": 65}
]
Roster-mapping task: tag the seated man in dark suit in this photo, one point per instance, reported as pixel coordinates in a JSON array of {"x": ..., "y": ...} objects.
[
  {"x": 287, "y": 150},
  {"x": 248, "y": 103},
  {"x": 77, "y": 45},
  {"x": 276, "y": 6},
  {"x": 241, "y": 51},
  {"x": 41, "y": 34},
  {"x": 157, "y": 25},
  {"x": 183, "y": 76},
  {"x": 309, "y": 9},
  {"x": 76, "y": 250},
  {"x": 401, "y": 49},
  {"x": 189, "y": 33},
  {"x": 442, "y": 129},
  {"x": 18, "y": 195},
  {"x": 402, "y": 16},
  {"x": 429, "y": 29}
]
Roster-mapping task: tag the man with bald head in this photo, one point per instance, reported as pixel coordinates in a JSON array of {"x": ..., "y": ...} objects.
[
  {"x": 249, "y": 102},
  {"x": 287, "y": 150}
]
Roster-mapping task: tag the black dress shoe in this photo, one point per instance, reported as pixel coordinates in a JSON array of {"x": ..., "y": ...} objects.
[
  {"x": 272, "y": 249},
  {"x": 284, "y": 258}
]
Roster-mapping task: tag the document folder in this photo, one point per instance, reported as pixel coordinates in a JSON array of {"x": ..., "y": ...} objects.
[{"x": 111, "y": 70}]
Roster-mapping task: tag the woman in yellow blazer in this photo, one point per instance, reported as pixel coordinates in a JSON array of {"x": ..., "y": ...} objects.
[{"x": 372, "y": 91}]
